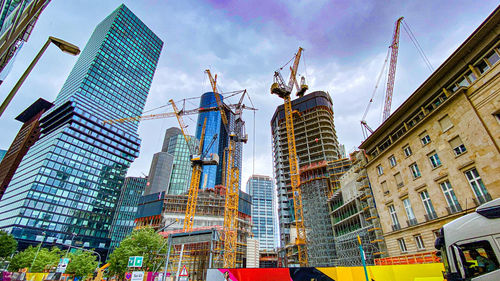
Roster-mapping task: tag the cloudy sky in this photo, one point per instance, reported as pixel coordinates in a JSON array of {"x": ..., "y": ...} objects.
[{"x": 243, "y": 42}]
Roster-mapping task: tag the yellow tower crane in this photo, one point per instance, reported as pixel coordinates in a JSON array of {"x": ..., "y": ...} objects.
[
  {"x": 231, "y": 177},
  {"x": 198, "y": 160},
  {"x": 284, "y": 91}
]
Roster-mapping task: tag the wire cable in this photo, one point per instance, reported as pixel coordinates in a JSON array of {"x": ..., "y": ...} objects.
[{"x": 417, "y": 46}]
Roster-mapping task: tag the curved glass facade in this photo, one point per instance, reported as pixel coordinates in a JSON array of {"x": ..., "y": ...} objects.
[{"x": 212, "y": 175}]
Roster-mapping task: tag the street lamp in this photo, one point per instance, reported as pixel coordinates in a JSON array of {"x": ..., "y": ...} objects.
[
  {"x": 169, "y": 242},
  {"x": 70, "y": 244},
  {"x": 40, "y": 246},
  {"x": 61, "y": 44}
]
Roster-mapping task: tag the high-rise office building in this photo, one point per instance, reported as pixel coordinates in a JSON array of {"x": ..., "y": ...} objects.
[
  {"x": 2, "y": 154},
  {"x": 212, "y": 175},
  {"x": 317, "y": 144},
  {"x": 27, "y": 136},
  {"x": 126, "y": 209},
  {"x": 171, "y": 168},
  {"x": 70, "y": 180},
  {"x": 263, "y": 219},
  {"x": 17, "y": 20}
]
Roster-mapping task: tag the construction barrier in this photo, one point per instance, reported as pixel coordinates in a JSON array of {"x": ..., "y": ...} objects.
[
  {"x": 409, "y": 272},
  {"x": 428, "y": 257}
]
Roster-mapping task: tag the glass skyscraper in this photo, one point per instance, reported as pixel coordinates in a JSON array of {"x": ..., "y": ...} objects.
[
  {"x": 212, "y": 175},
  {"x": 126, "y": 209},
  {"x": 181, "y": 168},
  {"x": 70, "y": 180},
  {"x": 263, "y": 219}
]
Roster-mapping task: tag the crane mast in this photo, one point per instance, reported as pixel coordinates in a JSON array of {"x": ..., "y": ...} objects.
[
  {"x": 198, "y": 159},
  {"x": 284, "y": 91},
  {"x": 392, "y": 70},
  {"x": 231, "y": 178}
]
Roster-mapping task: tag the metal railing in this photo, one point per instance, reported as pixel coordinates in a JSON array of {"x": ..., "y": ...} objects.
[
  {"x": 452, "y": 209},
  {"x": 431, "y": 216},
  {"x": 482, "y": 199},
  {"x": 396, "y": 227},
  {"x": 412, "y": 222}
]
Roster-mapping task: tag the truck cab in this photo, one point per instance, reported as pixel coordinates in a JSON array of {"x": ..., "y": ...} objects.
[{"x": 470, "y": 245}]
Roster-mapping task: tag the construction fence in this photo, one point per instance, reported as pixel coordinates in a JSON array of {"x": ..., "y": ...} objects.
[{"x": 409, "y": 272}]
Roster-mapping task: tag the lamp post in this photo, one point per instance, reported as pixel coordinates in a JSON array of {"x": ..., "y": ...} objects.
[
  {"x": 61, "y": 44},
  {"x": 70, "y": 244},
  {"x": 37, "y": 251},
  {"x": 169, "y": 242}
]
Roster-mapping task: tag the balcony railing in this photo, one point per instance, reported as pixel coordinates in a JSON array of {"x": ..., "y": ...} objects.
[
  {"x": 482, "y": 199},
  {"x": 396, "y": 227},
  {"x": 412, "y": 222},
  {"x": 430, "y": 216},
  {"x": 454, "y": 209}
]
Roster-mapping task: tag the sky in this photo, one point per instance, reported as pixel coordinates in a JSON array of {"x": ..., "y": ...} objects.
[{"x": 244, "y": 42}]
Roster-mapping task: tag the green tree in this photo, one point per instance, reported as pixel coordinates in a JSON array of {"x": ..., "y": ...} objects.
[
  {"x": 45, "y": 258},
  {"x": 141, "y": 242},
  {"x": 82, "y": 264},
  {"x": 8, "y": 244}
]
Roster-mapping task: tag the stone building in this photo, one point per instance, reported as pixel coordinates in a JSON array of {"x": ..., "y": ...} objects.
[{"x": 437, "y": 156}]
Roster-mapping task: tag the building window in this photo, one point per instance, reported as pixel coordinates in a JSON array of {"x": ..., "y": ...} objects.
[
  {"x": 380, "y": 170},
  {"x": 463, "y": 83},
  {"x": 399, "y": 180},
  {"x": 497, "y": 116},
  {"x": 407, "y": 150},
  {"x": 435, "y": 161},
  {"x": 392, "y": 161},
  {"x": 477, "y": 186},
  {"x": 425, "y": 139},
  {"x": 402, "y": 245},
  {"x": 482, "y": 66},
  {"x": 492, "y": 57},
  {"x": 409, "y": 213},
  {"x": 415, "y": 171},
  {"x": 419, "y": 242},
  {"x": 445, "y": 123},
  {"x": 451, "y": 198},
  {"x": 384, "y": 187},
  {"x": 429, "y": 208},
  {"x": 471, "y": 76},
  {"x": 457, "y": 145},
  {"x": 394, "y": 218}
]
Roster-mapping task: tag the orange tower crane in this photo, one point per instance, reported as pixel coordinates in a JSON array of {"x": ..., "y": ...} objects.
[
  {"x": 231, "y": 177},
  {"x": 284, "y": 91}
]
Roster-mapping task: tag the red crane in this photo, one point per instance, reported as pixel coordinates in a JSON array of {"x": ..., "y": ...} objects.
[{"x": 392, "y": 70}]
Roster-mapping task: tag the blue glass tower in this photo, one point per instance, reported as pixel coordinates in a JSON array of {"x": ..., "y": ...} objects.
[
  {"x": 70, "y": 180},
  {"x": 212, "y": 175}
]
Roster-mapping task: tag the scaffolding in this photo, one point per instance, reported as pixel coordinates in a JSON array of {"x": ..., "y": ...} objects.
[
  {"x": 315, "y": 185},
  {"x": 201, "y": 248},
  {"x": 353, "y": 213}
]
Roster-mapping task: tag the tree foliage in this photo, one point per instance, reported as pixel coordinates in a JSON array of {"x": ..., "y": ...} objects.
[
  {"x": 82, "y": 264},
  {"x": 8, "y": 244},
  {"x": 141, "y": 242},
  {"x": 45, "y": 258}
]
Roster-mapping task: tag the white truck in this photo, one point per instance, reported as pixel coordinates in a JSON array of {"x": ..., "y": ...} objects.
[{"x": 470, "y": 245}]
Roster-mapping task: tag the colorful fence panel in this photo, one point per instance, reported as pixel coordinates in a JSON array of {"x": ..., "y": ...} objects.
[{"x": 409, "y": 272}]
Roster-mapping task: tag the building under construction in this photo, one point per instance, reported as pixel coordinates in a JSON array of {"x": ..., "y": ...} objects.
[
  {"x": 353, "y": 213},
  {"x": 316, "y": 142},
  {"x": 203, "y": 245}
]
